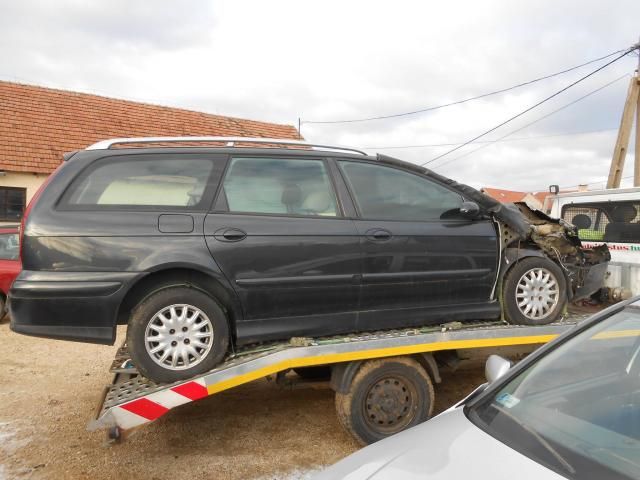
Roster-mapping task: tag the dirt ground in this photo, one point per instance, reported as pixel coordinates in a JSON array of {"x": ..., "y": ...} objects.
[{"x": 49, "y": 390}]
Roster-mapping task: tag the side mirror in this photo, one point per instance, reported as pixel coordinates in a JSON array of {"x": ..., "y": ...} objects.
[
  {"x": 496, "y": 367},
  {"x": 469, "y": 210}
]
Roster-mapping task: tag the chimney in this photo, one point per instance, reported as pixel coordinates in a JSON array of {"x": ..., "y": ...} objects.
[{"x": 583, "y": 187}]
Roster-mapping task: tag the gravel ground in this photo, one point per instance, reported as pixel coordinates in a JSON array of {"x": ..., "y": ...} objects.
[{"x": 49, "y": 390}]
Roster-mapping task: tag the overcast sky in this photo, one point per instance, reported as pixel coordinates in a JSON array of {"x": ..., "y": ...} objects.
[{"x": 332, "y": 60}]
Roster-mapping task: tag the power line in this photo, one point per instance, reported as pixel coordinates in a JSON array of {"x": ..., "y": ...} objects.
[
  {"x": 500, "y": 139},
  {"x": 531, "y": 137},
  {"x": 510, "y": 119},
  {"x": 458, "y": 102}
]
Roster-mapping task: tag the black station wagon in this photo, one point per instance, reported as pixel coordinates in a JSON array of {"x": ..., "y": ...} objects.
[{"x": 200, "y": 249}]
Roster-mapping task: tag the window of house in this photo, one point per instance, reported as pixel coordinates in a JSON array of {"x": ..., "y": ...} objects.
[
  {"x": 151, "y": 182},
  {"x": 12, "y": 203},
  {"x": 384, "y": 193},
  {"x": 617, "y": 222},
  {"x": 279, "y": 186}
]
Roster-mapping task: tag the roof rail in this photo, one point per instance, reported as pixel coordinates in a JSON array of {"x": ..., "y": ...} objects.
[{"x": 230, "y": 141}]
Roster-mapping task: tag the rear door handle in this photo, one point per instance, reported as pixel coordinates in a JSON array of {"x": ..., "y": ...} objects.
[
  {"x": 378, "y": 235},
  {"x": 230, "y": 235}
]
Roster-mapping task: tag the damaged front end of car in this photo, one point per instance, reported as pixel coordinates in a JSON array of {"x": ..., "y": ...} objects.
[
  {"x": 525, "y": 231},
  {"x": 584, "y": 268}
]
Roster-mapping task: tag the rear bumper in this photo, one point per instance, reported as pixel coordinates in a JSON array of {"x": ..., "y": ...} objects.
[{"x": 80, "y": 306}]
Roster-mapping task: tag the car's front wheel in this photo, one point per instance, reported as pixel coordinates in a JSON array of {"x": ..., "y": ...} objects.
[
  {"x": 535, "y": 292},
  {"x": 176, "y": 333}
]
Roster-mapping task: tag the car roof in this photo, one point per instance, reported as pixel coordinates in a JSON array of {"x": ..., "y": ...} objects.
[
  {"x": 292, "y": 148},
  {"x": 96, "y": 153}
]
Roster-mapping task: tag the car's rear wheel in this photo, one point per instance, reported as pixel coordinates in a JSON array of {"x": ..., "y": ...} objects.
[
  {"x": 176, "y": 333},
  {"x": 535, "y": 292}
]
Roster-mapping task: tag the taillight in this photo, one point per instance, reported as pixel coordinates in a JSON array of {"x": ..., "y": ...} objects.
[{"x": 31, "y": 203}]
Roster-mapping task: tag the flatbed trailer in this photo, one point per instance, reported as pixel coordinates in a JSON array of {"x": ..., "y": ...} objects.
[{"x": 383, "y": 380}]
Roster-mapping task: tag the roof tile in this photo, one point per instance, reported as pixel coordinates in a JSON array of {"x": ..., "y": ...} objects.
[{"x": 38, "y": 125}]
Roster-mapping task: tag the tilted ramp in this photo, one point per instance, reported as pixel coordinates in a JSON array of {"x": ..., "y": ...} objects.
[{"x": 132, "y": 400}]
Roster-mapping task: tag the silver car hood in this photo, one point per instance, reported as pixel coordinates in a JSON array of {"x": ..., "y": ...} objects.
[{"x": 447, "y": 447}]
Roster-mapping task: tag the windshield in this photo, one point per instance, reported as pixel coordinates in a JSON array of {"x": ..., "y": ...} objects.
[{"x": 577, "y": 409}]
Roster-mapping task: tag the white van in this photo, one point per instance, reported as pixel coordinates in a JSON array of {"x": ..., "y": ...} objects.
[{"x": 606, "y": 216}]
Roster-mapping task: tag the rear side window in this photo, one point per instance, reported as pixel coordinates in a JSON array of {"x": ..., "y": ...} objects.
[
  {"x": 384, "y": 193},
  {"x": 143, "y": 182},
  {"x": 12, "y": 203},
  {"x": 9, "y": 246},
  {"x": 617, "y": 222},
  {"x": 279, "y": 186}
]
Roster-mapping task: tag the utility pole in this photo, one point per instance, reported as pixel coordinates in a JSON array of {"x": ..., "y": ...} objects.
[
  {"x": 636, "y": 168},
  {"x": 631, "y": 104}
]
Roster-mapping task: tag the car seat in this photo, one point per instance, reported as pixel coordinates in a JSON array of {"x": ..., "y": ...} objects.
[{"x": 620, "y": 229}]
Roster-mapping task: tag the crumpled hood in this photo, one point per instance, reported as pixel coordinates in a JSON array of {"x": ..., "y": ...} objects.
[{"x": 447, "y": 447}]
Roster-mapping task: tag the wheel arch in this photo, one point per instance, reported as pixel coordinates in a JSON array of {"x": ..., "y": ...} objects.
[
  {"x": 342, "y": 374},
  {"x": 513, "y": 255},
  {"x": 187, "y": 275}
]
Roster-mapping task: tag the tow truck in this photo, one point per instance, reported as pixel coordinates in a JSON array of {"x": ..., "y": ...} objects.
[{"x": 380, "y": 378}]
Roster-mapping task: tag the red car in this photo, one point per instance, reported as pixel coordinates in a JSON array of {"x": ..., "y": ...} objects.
[{"x": 10, "y": 265}]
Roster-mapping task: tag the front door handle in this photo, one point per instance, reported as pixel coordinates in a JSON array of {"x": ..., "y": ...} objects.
[
  {"x": 230, "y": 235},
  {"x": 378, "y": 235}
]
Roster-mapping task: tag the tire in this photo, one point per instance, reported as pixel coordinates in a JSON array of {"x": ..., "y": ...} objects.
[
  {"x": 3, "y": 307},
  {"x": 385, "y": 397},
  {"x": 539, "y": 284},
  {"x": 314, "y": 373},
  {"x": 165, "y": 310}
]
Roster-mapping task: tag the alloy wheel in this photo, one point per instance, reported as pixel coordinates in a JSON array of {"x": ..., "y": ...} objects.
[
  {"x": 179, "y": 337},
  {"x": 537, "y": 293}
]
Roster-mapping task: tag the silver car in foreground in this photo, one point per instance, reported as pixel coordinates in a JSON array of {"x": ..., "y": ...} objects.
[{"x": 570, "y": 410}]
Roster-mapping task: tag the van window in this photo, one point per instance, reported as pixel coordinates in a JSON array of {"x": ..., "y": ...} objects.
[
  {"x": 152, "y": 182},
  {"x": 617, "y": 222},
  {"x": 384, "y": 193},
  {"x": 279, "y": 186}
]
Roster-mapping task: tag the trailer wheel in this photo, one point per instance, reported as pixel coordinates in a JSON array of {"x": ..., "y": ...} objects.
[{"x": 385, "y": 397}]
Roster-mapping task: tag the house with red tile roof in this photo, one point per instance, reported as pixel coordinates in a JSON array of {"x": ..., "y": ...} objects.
[
  {"x": 38, "y": 125},
  {"x": 511, "y": 196}
]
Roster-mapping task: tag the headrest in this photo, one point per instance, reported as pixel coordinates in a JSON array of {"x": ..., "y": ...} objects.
[
  {"x": 291, "y": 195},
  {"x": 581, "y": 221}
]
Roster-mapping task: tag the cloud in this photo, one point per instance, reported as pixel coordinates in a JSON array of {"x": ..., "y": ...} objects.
[{"x": 281, "y": 60}]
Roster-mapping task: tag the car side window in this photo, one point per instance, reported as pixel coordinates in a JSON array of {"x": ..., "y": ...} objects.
[
  {"x": 385, "y": 193},
  {"x": 9, "y": 246},
  {"x": 279, "y": 186},
  {"x": 149, "y": 182}
]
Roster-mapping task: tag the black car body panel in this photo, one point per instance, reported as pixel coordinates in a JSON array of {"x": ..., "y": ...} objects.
[
  {"x": 45, "y": 301},
  {"x": 277, "y": 275}
]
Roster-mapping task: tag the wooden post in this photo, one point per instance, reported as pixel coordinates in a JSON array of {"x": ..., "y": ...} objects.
[
  {"x": 622, "y": 143},
  {"x": 636, "y": 171}
]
